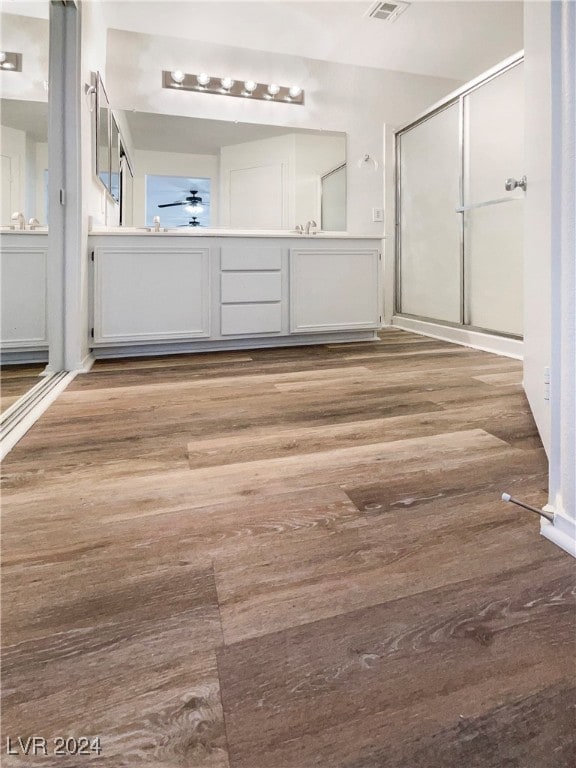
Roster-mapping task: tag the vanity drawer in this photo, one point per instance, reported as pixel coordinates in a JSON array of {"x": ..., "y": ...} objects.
[
  {"x": 238, "y": 287},
  {"x": 250, "y": 259},
  {"x": 240, "y": 319}
]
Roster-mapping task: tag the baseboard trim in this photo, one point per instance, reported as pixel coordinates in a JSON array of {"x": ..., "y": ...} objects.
[
  {"x": 561, "y": 532},
  {"x": 18, "y": 419},
  {"x": 86, "y": 364},
  {"x": 498, "y": 345},
  {"x": 23, "y": 357},
  {"x": 229, "y": 345}
]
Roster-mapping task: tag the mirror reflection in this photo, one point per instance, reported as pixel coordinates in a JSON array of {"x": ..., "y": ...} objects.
[
  {"x": 24, "y": 140},
  {"x": 24, "y": 204},
  {"x": 216, "y": 174}
]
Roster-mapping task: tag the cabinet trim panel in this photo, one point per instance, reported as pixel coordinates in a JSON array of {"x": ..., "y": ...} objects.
[
  {"x": 171, "y": 301},
  {"x": 334, "y": 289},
  {"x": 32, "y": 302}
]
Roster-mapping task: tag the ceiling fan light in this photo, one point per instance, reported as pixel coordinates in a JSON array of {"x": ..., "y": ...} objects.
[
  {"x": 177, "y": 76},
  {"x": 2, "y": 57},
  {"x": 250, "y": 86},
  {"x": 295, "y": 91},
  {"x": 227, "y": 83},
  {"x": 8, "y": 65},
  {"x": 273, "y": 89},
  {"x": 203, "y": 79}
]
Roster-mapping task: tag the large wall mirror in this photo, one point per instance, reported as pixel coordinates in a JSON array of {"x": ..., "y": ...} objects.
[
  {"x": 24, "y": 202},
  {"x": 194, "y": 172}
]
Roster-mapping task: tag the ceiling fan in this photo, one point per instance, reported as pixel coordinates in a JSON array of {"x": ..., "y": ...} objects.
[
  {"x": 192, "y": 223},
  {"x": 192, "y": 203}
]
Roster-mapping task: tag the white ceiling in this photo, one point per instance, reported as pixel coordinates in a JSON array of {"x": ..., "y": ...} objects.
[
  {"x": 171, "y": 133},
  {"x": 454, "y": 39},
  {"x": 28, "y": 116}
]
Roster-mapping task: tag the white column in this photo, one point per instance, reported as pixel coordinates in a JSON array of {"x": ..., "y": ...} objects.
[
  {"x": 562, "y": 499},
  {"x": 65, "y": 257}
]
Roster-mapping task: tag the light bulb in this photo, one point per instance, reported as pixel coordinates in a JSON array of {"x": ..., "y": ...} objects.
[
  {"x": 295, "y": 91},
  {"x": 8, "y": 65},
  {"x": 177, "y": 76},
  {"x": 194, "y": 208},
  {"x": 227, "y": 83},
  {"x": 273, "y": 89},
  {"x": 2, "y": 57},
  {"x": 203, "y": 78},
  {"x": 250, "y": 86}
]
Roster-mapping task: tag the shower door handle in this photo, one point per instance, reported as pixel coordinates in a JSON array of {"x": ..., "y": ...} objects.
[{"x": 512, "y": 184}]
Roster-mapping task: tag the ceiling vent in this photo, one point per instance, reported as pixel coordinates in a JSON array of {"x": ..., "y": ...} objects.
[{"x": 387, "y": 11}]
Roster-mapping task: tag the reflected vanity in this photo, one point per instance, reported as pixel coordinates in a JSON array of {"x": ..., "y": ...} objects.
[{"x": 24, "y": 212}]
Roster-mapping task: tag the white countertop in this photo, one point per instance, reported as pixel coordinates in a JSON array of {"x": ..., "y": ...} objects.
[
  {"x": 265, "y": 233},
  {"x": 38, "y": 231}
]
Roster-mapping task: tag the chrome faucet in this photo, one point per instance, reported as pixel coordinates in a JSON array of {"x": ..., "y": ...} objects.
[
  {"x": 299, "y": 229},
  {"x": 156, "y": 221},
  {"x": 309, "y": 225},
  {"x": 19, "y": 217},
  {"x": 33, "y": 223}
]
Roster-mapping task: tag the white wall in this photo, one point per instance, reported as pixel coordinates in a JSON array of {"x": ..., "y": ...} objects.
[
  {"x": 537, "y": 233},
  {"x": 173, "y": 164},
  {"x": 28, "y": 36},
  {"x": 95, "y": 202},
  {"x": 563, "y": 277},
  {"x": 355, "y": 100},
  {"x": 315, "y": 156}
]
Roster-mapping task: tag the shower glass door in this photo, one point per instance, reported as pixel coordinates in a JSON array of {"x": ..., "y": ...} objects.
[
  {"x": 494, "y": 151},
  {"x": 459, "y": 235},
  {"x": 429, "y": 176}
]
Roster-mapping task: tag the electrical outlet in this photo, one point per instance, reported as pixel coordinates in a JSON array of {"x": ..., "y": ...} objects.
[{"x": 377, "y": 214}]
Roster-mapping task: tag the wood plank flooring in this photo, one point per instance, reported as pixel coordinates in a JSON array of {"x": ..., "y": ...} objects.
[
  {"x": 16, "y": 380},
  {"x": 288, "y": 558}
]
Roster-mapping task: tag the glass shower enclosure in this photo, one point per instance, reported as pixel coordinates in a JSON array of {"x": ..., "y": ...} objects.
[{"x": 459, "y": 191}]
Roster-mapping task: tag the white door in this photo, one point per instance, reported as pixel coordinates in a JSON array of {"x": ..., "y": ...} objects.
[{"x": 257, "y": 198}]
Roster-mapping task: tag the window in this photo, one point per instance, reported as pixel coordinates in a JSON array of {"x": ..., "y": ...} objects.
[{"x": 161, "y": 190}]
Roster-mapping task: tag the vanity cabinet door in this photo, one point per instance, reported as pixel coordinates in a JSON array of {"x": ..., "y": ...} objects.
[
  {"x": 334, "y": 290},
  {"x": 152, "y": 294},
  {"x": 23, "y": 296}
]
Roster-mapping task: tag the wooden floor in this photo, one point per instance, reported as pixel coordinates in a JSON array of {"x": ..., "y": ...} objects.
[
  {"x": 291, "y": 558},
  {"x": 16, "y": 380}
]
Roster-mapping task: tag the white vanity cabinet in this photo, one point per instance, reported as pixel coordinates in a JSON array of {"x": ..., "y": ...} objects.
[
  {"x": 170, "y": 292},
  {"x": 23, "y": 266}
]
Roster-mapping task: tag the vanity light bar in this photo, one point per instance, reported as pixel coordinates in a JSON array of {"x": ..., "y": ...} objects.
[
  {"x": 225, "y": 86},
  {"x": 10, "y": 61}
]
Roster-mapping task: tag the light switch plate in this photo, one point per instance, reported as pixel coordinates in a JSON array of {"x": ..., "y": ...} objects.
[{"x": 377, "y": 214}]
